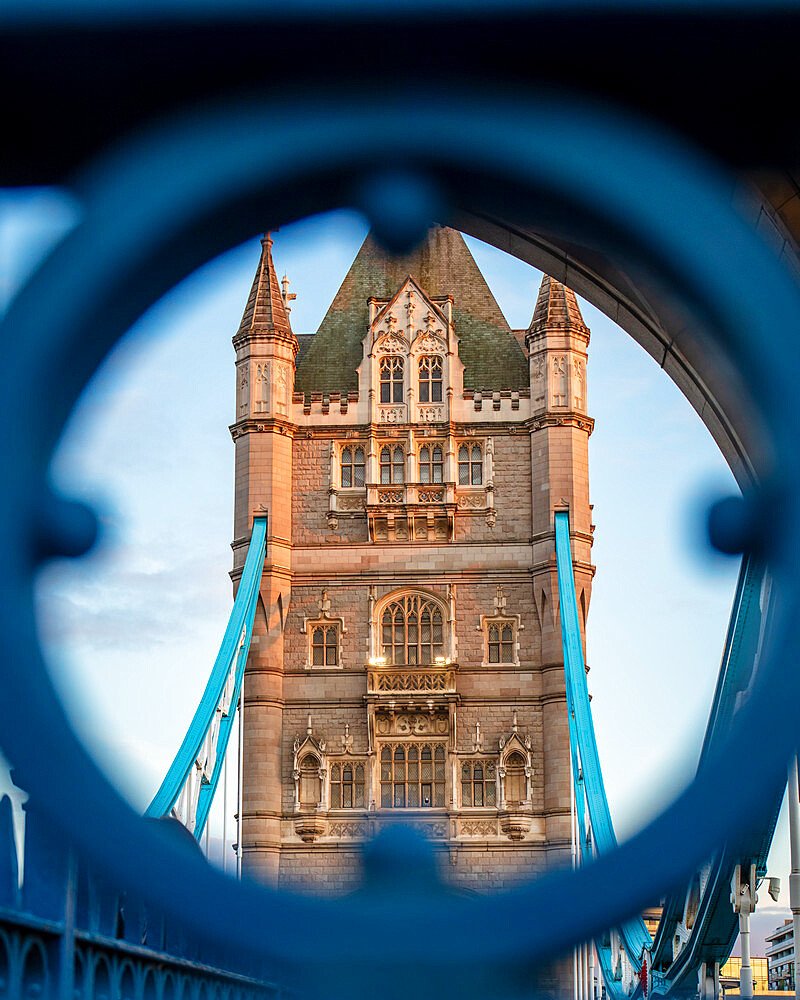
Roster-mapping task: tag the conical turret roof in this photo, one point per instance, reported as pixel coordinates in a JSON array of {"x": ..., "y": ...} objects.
[
  {"x": 265, "y": 309},
  {"x": 556, "y": 308},
  {"x": 442, "y": 265}
]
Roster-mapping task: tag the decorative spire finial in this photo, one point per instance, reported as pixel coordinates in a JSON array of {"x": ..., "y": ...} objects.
[
  {"x": 514, "y": 725},
  {"x": 286, "y": 295},
  {"x": 309, "y": 729}
]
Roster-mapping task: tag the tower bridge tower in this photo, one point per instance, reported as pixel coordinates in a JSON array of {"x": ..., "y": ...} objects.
[{"x": 406, "y": 663}]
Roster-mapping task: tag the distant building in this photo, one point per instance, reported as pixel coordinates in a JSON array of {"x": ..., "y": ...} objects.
[
  {"x": 730, "y": 974},
  {"x": 780, "y": 957}
]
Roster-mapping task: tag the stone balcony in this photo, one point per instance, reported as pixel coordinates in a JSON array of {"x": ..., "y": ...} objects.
[
  {"x": 393, "y": 681},
  {"x": 408, "y": 512},
  {"x": 410, "y": 494},
  {"x": 411, "y": 511}
]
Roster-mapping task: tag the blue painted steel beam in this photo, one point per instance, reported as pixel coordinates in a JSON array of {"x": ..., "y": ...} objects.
[
  {"x": 715, "y": 927},
  {"x": 241, "y": 620},
  {"x": 588, "y": 775}
]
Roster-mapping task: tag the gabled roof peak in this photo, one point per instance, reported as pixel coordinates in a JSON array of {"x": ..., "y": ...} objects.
[
  {"x": 438, "y": 302},
  {"x": 265, "y": 310},
  {"x": 442, "y": 266},
  {"x": 556, "y": 308}
]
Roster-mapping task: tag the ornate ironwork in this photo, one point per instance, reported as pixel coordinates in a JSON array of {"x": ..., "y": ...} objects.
[{"x": 165, "y": 202}]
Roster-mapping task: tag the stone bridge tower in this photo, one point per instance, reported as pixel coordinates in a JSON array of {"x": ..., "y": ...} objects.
[{"x": 406, "y": 664}]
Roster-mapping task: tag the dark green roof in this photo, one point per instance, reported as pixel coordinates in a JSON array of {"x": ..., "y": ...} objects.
[{"x": 442, "y": 265}]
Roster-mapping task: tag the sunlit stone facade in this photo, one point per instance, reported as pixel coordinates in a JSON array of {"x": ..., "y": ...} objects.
[{"x": 406, "y": 663}]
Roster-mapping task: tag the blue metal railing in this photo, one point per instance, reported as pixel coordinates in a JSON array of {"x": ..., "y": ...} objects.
[{"x": 66, "y": 933}]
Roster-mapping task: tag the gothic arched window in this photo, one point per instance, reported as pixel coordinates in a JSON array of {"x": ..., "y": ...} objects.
[
  {"x": 430, "y": 380},
  {"x": 412, "y": 776},
  {"x": 310, "y": 786},
  {"x": 412, "y": 630},
  {"x": 516, "y": 785},
  {"x": 478, "y": 783},
  {"x": 391, "y": 380},
  {"x": 347, "y": 786},
  {"x": 392, "y": 464},
  {"x": 470, "y": 465},
  {"x": 431, "y": 464},
  {"x": 353, "y": 464}
]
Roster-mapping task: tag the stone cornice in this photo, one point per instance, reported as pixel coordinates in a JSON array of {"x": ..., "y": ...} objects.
[
  {"x": 264, "y": 425},
  {"x": 569, "y": 418}
]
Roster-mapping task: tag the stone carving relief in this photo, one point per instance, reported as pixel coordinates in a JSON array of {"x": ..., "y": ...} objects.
[
  {"x": 351, "y": 503},
  {"x": 428, "y": 344},
  {"x": 390, "y": 345},
  {"x": 435, "y": 831},
  {"x": 538, "y": 370},
  {"x": 560, "y": 391},
  {"x": 580, "y": 378},
  {"x": 244, "y": 391},
  {"x": 431, "y": 496},
  {"x": 392, "y": 414},
  {"x": 263, "y": 375},
  {"x": 479, "y": 828},
  {"x": 412, "y": 724},
  {"x": 431, "y": 414},
  {"x": 282, "y": 391},
  {"x": 471, "y": 502},
  {"x": 347, "y": 831},
  {"x": 411, "y": 307}
]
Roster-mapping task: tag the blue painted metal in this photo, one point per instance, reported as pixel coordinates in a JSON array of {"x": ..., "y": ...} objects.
[
  {"x": 716, "y": 926},
  {"x": 168, "y": 200},
  {"x": 740, "y": 652},
  {"x": 235, "y": 646},
  {"x": 70, "y": 928},
  {"x": 587, "y": 772}
]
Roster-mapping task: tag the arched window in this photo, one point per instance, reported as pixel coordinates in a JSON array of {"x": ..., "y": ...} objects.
[
  {"x": 430, "y": 380},
  {"x": 478, "y": 783},
  {"x": 470, "y": 465},
  {"x": 515, "y": 784},
  {"x": 353, "y": 464},
  {"x": 501, "y": 643},
  {"x": 431, "y": 464},
  {"x": 391, "y": 380},
  {"x": 347, "y": 786},
  {"x": 310, "y": 787},
  {"x": 325, "y": 646},
  {"x": 392, "y": 465},
  {"x": 412, "y": 630},
  {"x": 412, "y": 776}
]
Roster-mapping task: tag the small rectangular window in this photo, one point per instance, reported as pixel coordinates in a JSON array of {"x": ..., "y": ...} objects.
[{"x": 325, "y": 645}]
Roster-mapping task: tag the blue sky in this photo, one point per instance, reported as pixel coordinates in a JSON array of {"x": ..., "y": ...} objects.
[{"x": 131, "y": 631}]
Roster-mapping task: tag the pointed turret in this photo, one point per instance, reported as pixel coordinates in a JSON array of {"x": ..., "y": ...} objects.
[
  {"x": 265, "y": 310},
  {"x": 556, "y": 309}
]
